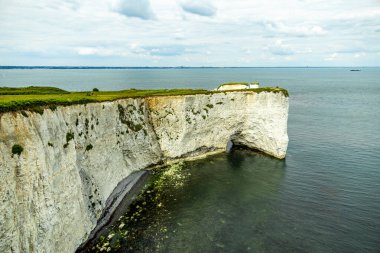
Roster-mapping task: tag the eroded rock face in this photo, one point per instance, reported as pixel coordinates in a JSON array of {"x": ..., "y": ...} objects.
[{"x": 54, "y": 192}]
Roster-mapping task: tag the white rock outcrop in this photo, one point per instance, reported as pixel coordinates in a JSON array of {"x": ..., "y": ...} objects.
[{"x": 54, "y": 192}]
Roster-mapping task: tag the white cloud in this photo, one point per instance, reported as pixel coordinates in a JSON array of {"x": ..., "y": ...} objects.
[
  {"x": 332, "y": 57},
  {"x": 87, "y": 51},
  {"x": 279, "y": 48},
  {"x": 180, "y": 32},
  {"x": 101, "y": 51},
  {"x": 295, "y": 30},
  {"x": 359, "y": 55},
  {"x": 199, "y": 7}
]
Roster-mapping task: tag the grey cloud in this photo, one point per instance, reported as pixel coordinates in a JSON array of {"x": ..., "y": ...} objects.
[
  {"x": 72, "y": 4},
  {"x": 199, "y": 7},
  {"x": 132, "y": 8}
]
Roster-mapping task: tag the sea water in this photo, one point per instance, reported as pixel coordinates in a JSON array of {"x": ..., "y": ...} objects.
[{"x": 324, "y": 197}]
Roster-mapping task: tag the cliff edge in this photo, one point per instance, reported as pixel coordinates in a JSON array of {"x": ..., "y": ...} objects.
[{"x": 54, "y": 185}]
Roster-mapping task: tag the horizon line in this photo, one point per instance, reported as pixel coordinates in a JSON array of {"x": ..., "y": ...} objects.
[{"x": 161, "y": 67}]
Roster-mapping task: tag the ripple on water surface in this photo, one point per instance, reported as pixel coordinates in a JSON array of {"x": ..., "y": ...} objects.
[{"x": 325, "y": 197}]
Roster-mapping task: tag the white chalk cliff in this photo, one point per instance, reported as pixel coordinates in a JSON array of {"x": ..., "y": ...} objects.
[{"x": 52, "y": 195}]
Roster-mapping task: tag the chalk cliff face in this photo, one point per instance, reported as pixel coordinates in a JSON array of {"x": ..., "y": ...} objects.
[{"x": 54, "y": 192}]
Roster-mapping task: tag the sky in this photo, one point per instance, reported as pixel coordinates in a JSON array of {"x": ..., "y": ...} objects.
[{"x": 249, "y": 33}]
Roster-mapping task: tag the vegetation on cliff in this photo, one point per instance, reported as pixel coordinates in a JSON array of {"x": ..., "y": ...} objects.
[
  {"x": 17, "y": 149},
  {"x": 36, "y": 98}
]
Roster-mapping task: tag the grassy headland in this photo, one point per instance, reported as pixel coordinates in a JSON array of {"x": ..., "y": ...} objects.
[
  {"x": 33, "y": 98},
  {"x": 31, "y": 90}
]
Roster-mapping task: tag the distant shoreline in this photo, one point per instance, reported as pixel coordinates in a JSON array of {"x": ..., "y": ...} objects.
[{"x": 178, "y": 67}]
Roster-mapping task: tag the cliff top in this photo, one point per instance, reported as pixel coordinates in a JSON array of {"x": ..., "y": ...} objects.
[{"x": 36, "y": 98}]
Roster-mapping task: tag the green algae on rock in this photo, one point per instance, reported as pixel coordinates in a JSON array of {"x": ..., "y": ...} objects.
[{"x": 143, "y": 216}]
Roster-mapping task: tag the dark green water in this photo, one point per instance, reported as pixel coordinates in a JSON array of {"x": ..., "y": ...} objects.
[
  {"x": 325, "y": 197},
  {"x": 228, "y": 203}
]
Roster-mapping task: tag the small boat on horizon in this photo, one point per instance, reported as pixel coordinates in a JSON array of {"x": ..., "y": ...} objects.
[{"x": 355, "y": 70}]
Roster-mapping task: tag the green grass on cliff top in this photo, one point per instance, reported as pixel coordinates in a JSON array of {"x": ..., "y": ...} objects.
[
  {"x": 14, "y": 99},
  {"x": 31, "y": 90}
]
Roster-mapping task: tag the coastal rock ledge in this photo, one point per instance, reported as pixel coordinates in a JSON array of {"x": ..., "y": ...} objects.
[{"x": 54, "y": 186}]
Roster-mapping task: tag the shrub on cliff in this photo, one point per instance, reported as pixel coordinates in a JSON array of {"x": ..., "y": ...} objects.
[
  {"x": 69, "y": 136},
  {"x": 17, "y": 149}
]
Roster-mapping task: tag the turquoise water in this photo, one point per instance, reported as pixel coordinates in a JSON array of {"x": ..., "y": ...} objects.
[{"x": 325, "y": 197}]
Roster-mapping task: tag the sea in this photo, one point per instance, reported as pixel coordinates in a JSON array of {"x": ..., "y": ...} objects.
[{"x": 324, "y": 197}]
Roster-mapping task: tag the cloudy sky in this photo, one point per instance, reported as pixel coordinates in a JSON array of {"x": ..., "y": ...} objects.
[{"x": 190, "y": 32}]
